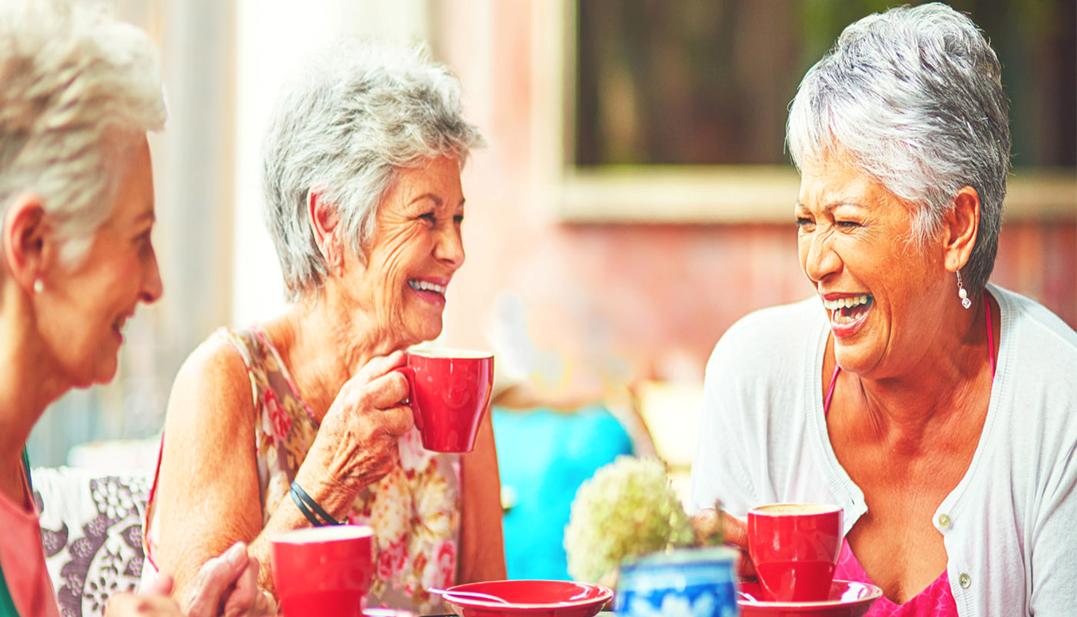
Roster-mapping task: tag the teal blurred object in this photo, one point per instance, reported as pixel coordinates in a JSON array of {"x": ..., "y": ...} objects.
[{"x": 543, "y": 456}]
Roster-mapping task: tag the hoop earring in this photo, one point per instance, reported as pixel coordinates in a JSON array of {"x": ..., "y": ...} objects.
[
  {"x": 38, "y": 286},
  {"x": 961, "y": 293}
]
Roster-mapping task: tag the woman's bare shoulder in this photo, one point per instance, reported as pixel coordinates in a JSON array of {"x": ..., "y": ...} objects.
[{"x": 212, "y": 388}]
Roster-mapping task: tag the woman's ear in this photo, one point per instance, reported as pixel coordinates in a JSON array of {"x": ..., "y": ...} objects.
[
  {"x": 959, "y": 228},
  {"x": 25, "y": 240},
  {"x": 323, "y": 222}
]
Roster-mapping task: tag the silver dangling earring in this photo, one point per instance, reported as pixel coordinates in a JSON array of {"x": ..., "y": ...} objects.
[
  {"x": 961, "y": 293},
  {"x": 38, "y": 286}
]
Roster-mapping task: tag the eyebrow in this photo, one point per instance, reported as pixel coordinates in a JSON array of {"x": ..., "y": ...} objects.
[
  {"x": 434, "y": 198},
  {"x": 150, "y": 215},
  {"x": 832, "y": 205}
]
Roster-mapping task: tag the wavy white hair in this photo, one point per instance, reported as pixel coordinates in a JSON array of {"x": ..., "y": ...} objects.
[
  {"x": 914, "y": 96},
  {"x": 351, "y": 118},
  {"x": 75, "y": 86}
]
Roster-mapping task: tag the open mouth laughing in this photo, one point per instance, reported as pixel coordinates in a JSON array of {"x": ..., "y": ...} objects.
[
  {"x": 118, "y": 326},
  {"x": 847, "y": 312}
]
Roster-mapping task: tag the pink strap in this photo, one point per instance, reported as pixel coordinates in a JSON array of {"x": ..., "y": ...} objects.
[
  {"x": 990, "y": 354},
  {"x": 830, "y": 390}
]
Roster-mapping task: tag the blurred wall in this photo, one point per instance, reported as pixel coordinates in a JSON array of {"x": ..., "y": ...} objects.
[{"x": 579, "y": 307}]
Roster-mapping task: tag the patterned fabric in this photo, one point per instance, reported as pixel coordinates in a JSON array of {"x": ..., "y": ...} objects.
[
  {"x": 91, "y": 530},
  {"x": 414, "y": 510},
  {"x": 936, "y": 600}
]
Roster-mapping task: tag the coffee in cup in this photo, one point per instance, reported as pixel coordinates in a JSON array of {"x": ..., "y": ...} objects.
[
  {"x": 323, "y": 571},
  {"x": 449, "y": 391},
  {"x": 795, "y": 548}
]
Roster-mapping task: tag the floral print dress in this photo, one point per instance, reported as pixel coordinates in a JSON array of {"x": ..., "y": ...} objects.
[{"x": 414, "y": 510}]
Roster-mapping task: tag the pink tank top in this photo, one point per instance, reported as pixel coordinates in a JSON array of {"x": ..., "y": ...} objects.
[
  {"x": 936, "y": 599},
  {"x": 22, "y": 559}
]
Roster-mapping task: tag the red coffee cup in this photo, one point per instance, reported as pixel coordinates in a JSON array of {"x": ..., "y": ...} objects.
[
  {"x": 323, "y": 571},
  {"x": 449, "y": 391},
  {"x": 795, "y": 548}
]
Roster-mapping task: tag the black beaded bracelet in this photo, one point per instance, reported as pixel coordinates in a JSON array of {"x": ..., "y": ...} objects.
[{"x": 305, "y": 504}]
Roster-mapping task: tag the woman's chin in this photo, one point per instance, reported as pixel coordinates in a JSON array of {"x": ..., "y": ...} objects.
[
  {"x": 427, "y": 330},
  {"x": 855, "y": 358}
]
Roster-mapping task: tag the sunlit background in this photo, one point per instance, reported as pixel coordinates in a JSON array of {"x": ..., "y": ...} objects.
[{"x": 634, "y": 201}]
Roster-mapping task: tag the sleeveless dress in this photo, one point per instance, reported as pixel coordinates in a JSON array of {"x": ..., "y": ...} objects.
[
  {"x": 414, "y": 510},
  {"x": 937, "y": 599}
]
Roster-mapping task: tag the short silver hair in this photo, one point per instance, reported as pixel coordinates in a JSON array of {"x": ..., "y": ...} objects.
[
  {"x": 76, "y": 85},
  {"x": 352, "y": 118},
  {"x": 914, "y": 96}
]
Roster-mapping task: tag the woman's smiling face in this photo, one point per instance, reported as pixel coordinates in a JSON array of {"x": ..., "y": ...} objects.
[
  {"x": 417, "y": 247},
  {"x": 880, "y": 290},
  {"x": 83, "y": 309}
]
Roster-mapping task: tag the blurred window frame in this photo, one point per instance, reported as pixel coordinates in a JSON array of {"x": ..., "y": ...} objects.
[{"x": 688, "y": 194}]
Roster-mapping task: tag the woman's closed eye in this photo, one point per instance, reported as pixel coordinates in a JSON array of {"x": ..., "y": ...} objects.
[
  {"x": 846, "y": 224},
  {"x": 144, "y": 238},
  {"x": 804, "y": 222}
]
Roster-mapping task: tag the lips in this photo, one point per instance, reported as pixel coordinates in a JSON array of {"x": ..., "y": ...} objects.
[
  {"x": 430, "y": 289},
  {"x": 117, "y": 327},
  {"x": 848, "y": 312}
]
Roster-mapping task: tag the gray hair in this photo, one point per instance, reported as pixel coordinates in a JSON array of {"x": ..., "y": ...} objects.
[
  {"x": 914, "y": 96},
  {"x": 74, "y": 83},
  {"x": 351, "y": 119}
]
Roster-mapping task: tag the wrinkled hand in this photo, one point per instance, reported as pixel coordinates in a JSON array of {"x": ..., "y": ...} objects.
[
  {"x": 709, "y": 521},
  {"x": 153, "y": 602},
  {"x": 357, "y": 442},
  {"x": 228, "y": 585}
]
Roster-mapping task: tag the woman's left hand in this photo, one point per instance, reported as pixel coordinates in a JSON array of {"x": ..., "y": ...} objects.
[{"x": 226, "y": 585}]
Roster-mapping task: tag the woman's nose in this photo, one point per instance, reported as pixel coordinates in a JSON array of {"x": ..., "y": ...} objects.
[
  {"x": 152, "y": 286},
  {"x": 819, "y": 258},
  {"x": 450, "y": 247}
]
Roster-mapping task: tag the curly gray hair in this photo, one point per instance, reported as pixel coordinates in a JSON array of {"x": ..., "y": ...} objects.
[
  {"x": 351, "y": 119},
  {"x": 75, "y": 86},
  {"x": 915, "y": 96}
]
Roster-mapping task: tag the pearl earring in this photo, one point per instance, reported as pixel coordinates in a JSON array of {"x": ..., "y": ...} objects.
[
  {"x": 38, "y": 286},
  {"x": 961, "y": 293}
]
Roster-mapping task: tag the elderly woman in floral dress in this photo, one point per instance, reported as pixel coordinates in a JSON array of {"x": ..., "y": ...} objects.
[{"x": 365, "y": 206}]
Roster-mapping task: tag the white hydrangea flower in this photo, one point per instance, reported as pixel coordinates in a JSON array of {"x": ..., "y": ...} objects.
[{"x": 627, "y": 509}]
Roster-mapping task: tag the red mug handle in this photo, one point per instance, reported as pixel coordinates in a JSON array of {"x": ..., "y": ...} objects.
[{"x": 409, "y": 374}]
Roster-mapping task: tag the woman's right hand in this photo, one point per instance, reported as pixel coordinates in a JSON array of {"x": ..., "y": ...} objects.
[
  {"x": 709, "y": 521},
  {"x": 357, "y": 441}
]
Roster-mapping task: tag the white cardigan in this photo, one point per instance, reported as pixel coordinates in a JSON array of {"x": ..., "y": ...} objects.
[{"x": 1011, "y": 532}]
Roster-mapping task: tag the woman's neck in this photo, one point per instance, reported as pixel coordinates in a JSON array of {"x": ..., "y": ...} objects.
[
  {"x": 27, "y": 387},
  {"x": 323, "y": 345},
  {"x": 949, "y": 379}
]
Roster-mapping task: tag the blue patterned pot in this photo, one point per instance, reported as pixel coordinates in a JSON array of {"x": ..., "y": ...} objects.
[{"x": 693, "y": 582}]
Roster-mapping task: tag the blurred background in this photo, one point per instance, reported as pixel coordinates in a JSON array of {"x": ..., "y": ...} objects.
[{"x": 634, "y": 201}]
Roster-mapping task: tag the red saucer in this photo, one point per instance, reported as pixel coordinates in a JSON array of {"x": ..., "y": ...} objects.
[
  {"x": 528, "y": 599},
  {"x": 847, "y": 599}
]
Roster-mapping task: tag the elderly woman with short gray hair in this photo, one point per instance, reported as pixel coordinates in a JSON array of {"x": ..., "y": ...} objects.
[
  {"x": 365, "y": 207},
  {"x": 940, "y": 411}
]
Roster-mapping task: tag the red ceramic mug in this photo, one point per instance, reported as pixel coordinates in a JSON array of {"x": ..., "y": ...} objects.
[
  {"x": 795, "y": 548},
  {"x": 323, "y": 571},
  {"x": 449, "y": 391}
]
